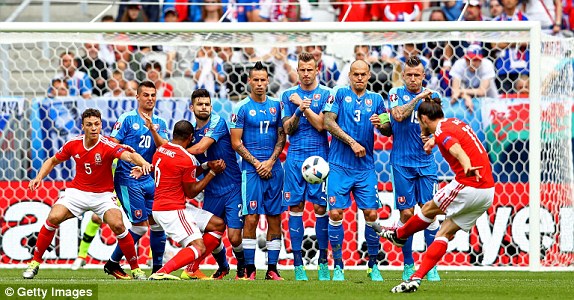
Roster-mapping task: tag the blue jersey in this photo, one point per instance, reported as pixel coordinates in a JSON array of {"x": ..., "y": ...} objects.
[
  {"x": 217, "y": 130},
  {"x": 260, "y": 122},
  {"x": 306, "y": 140},
  {"x": 407, "y": 144},
  {"x": 353, "y": 114},
  {"x": 130, "y": 130}
]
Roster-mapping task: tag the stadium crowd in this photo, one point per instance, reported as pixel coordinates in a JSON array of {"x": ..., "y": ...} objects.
[{"x": 458, "y": 69}]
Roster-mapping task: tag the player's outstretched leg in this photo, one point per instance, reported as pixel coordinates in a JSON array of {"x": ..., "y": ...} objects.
[
  {"x": 211, "y": 241},
  {"x": 430, "y": 234},
  {"x": 407, "y": 286}
]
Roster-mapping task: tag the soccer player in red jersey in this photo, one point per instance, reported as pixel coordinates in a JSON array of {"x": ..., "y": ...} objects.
[
  {"x": 463, "y": 200},
  {"x": 91, "y": 189},
  {"x": 175, "y": 179}
]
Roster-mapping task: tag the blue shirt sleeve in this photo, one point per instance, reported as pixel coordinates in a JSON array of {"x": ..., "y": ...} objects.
[
  {"x": 237, "y": 117},
  {"x": 333, "y": 102},
  {"x": 286, "y": 112},
  {"x": 119, "y": 131},
  {"x": 216, "y": 131}
]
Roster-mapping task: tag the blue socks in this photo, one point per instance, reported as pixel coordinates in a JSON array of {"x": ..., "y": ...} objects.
[
  {"x": 336, "y": 235},
  {"x": 157, "y": 244},
  {"x": 221, "y": 256},
  {"x": 322, "y": 232},
  {"x": 296, "y": 231},
  {"x": 118, "y": 254},
  {"x": 372, "y": 244}
]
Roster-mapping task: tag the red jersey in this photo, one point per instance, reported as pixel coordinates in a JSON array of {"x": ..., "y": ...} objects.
[
  {"x": 173, "y": 166},
  {"x": 452, "y": 131},
  {"x": 94, "y": 165}
]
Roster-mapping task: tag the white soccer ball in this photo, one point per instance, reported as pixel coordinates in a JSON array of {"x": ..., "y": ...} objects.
[{"x": 315, "y": 169}]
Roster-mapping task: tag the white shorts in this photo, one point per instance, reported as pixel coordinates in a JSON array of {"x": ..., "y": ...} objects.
[
  {"x": 463, "y": 204},
  {"x": 78, "y": 202},
  {"x": 185, "y": 225}
]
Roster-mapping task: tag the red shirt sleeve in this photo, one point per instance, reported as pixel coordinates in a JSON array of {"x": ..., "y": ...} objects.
[
  {"x": 189, "y": 173},
  {"x": 445, "y": 138},
  {"x": 65, "y": 152}
]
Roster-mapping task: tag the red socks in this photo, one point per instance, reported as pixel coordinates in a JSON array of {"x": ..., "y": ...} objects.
[
  {"x": 44, "y": 240},
  {"x": 128, "y": 248},
  {"x": 211, "y": 241},
  {"x": 413, "y": 225},
  {"x": 434, "y": 253},
  {"x": 184, "y": 257}
]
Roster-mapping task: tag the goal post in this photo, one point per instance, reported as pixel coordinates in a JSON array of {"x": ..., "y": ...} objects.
[{"x": 541, "y": 239}]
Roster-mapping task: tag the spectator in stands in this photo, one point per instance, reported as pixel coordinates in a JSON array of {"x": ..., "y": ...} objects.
[
  {"x": 473, "y": 11},
  {"x": 208, "y": 72},
  {"x": 131, "y": 88},
  {"x": 284, "y": 11},
  {"x": 452, "y": 9},
  {"x": 96, "y": 69},
  {"x": 187, "y": 10},
  {"x": 170, "y": 15},
  {"x": 362, "y": 52},
  {"x": 360, "y": 10},
  {"x": 472, "y": 77},
  {"x": 494, "y": 8},
  {"x": 440, "y": 56},
  {"x": 212, "y": 11},
  {"x": 153, "y": 74},
  {"x": 548, "y": 12},
  {"x": 522, "y": 86},
  {"x": 133, "y": 13},
  {"x": 79, "y": 83},
  {"x": 396, "y": 11},
  {"x": 513, "y": 59},
  {"x": 285, "y": 72},
  {"x": 59, "y": 88},
  {"x": 116, "y": 85},
  {"x": 225, "y": 53},
  {"x": 146, "y": 13},
  {"x": 328, "y": 70},
  {"x": 106, "y": 53}
]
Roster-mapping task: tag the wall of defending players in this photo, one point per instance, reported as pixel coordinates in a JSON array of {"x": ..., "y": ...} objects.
[{"x": 500, "y": 237}]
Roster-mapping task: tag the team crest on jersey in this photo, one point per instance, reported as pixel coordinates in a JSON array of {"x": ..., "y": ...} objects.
[
  {"x": 273, "y": 110},
  {"x": 332, "y": 200},
  {"x": 406, "y": 98},
  {"x": 253, "y": 204},
  {"x": 287, "y": 195},
  {"x": 117, "y": 126},
  {"x": 394, "y": 97},
  {"x": 402, "y": 199},
  {"x": 138, "y": 213},
  {"x": 233, "y": 118},
  {"x": 331, "y": 99},
  {"x": 136, "y": 126},
  {"x": 317, "y": 97},
  {"x": 98, "y": 159},
  {"x": 348, "y": 99},
  {"x": 205, "y": 130},
  {"x": 369, "y": 102},
  {"x": 252, "y": 112}
]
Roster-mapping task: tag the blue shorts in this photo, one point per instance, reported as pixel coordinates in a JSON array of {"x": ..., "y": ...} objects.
[
  {"x": 363, "y": 183},
  {"x": 297, "y": 190},
  {"x": 136, "y": 197},
  {"x": 262, "y": 196},
  {"x": 413, "y": 185},
  {"x": 227, "y": 207}
]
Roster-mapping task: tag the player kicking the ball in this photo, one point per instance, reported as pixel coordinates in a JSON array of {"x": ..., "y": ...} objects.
[{"x": 463, "y": 200}]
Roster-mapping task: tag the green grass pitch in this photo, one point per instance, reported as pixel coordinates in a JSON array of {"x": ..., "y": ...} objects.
[{"x": 457, "y": 285}]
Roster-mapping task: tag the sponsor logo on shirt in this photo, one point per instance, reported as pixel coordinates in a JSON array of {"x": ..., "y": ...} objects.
[
  {"x": 406, "y": 98},
  {"x": 117, "y": 126},
  {"x": 77, "y": 156},
  {"x": 348, "y": 99},
  {"x": 394, "y": 97},
  {"x": 233, "y": 118},
  {"x": 136, "y": 126},
  {"x": 331, "y": 99},
  {"x": 252, "y": 113}
]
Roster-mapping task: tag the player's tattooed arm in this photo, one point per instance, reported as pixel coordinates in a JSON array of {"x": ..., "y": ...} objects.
[
  {"x": 281, "y": 138},
  {"x": 336, "y": 131},
  {"x": 402, "y": 112},
  {"x": 246, "y": 155},
  {"x": 291, "y": 124}
]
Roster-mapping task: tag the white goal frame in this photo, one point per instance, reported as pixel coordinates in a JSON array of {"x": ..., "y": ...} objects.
[{"x": 535, "y": 40}]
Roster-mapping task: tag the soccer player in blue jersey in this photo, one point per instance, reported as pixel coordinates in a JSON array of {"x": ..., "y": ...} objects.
[
  {"x": 144, "y": 132},
  {"x": 257, "y": 136},
  {"x": 303, "y": 121},
  {"x": 222, "y": 196},
  {"x": 350, "y": 115},
  {"x": 413, "y": 170}
]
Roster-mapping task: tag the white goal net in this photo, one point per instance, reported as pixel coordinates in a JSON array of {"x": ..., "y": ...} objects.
[{"x": 523, "y": 117}]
